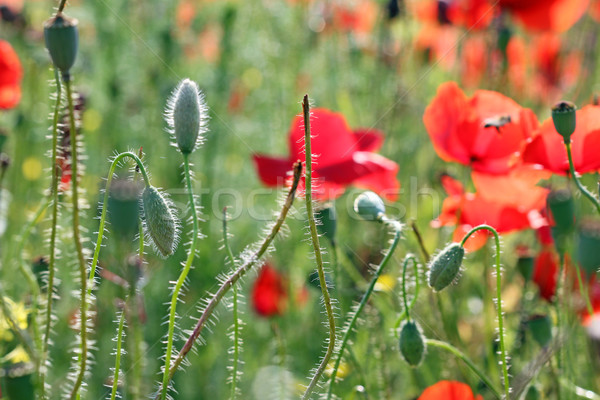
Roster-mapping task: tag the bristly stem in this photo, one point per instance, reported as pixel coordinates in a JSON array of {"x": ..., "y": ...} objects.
[
  {"x": 408, "y": 306},
  {"x": 582, "y": 188},
  {"x": 232, "y": 280},
  {"x": 499, "y": 303},
  {"x": 317, "y": 249},
  {"x": 181, "y": 280},
  {"x": 448, "y": 347},
  {"x": 52, "y": 262},
  {"x": 397, "y": 227},
  {"x": 236, "y": 322},
  {"x": 116, "y": 372},
  {"x": 79, "y": 247}
]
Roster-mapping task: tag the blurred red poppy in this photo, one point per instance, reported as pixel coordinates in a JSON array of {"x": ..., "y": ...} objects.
[
  {"x": 546, "y": 15},
  {"x": 486, "y": 131},
  {"x": 449, "y": 390},
  {"x": 507, "y": 202},
  {"x": 11, "y": 73},
  {"x": 471, "y": 14},
  {"x": 341, "y": 158},
  {"x": 545, "y": 272},
  {"x": 269, "y": 294},
  {"x": 547, "y": 149}
]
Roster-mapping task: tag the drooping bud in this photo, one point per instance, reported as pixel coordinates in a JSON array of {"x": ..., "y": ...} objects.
[
  {"x": 588, "y": 243},
  {"x": 564, "y": 118},
  {"x": 186, "y": 116},
  {"x": 369, "y": 206},
  {"x": 160, "y": 223},
  {"x": 445, "y": 266},
  {"x": 62, "y": 40},
  {"x": 412, "y": 344},
  {"x": 562, "y": 209},
  {"x": 328, "y": 222}
]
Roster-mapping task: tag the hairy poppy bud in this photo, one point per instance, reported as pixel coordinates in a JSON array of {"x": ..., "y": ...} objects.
[
  {"x": 186, "y": 116},
  {"x": 412, "y": 345},
  {"x": 445, "y": 266},
  {"x": 369, "y": 206},
  {"x": 62, "y": 40},
  {"x": 328, "y": 222},
  {"x": 588, "y": 243},
  {"x": 161, "y": 226},
  {"x": 564, "y": 118}
]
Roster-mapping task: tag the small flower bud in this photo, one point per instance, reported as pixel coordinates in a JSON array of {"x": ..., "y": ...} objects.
[
  {"x": 562, "y": 210},
  {"x": 186, "y": 116},
  {"x": 412, "y": 344},
  {"x": 369, "y": 206},
  {"x": 445, "y": 266},
  {"x": 588, "y": 243},
  {"x": 564, "y": 118},
  {"x": 62, "y": 40},
  {"x": 328, "y": 222},
  {"x": 160, "y": 224}
]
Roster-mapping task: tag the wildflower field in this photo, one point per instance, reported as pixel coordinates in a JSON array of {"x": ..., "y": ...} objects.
[{"x": 299, "y": 199}]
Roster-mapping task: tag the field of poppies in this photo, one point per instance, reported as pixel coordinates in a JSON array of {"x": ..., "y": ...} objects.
[{"x": 283, "y": 199}]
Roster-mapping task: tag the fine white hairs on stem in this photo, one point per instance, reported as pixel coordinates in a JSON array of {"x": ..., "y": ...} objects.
[{"x": 187, "y": 116}]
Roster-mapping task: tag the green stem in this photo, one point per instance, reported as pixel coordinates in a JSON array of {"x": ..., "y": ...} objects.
[
  {"x": 236, "y": 322},
  {"x": 136, "y": 333},
  {"x": 582, "y": 188},
  {"x": 583, "y": 290},
  {"x": 115, "y": 385},
  {"x": 232, "y": 280},
  {"x": 317, "y": 250},
  {"x": 499, "y": 303},
  {"x": 458, "y": 354},
  {"x": 83, "y": 348},
  {"x": 407, "y": 307},
  {"x": 182, "y": 276},
  {"x": 52, "y": 262},
  {"x": 350, "y": 327}
]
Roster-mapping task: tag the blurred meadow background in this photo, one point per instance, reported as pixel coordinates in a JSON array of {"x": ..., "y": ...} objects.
[{"x": 379, "y": 64}]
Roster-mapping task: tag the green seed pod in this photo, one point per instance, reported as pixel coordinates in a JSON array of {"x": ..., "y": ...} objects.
[
  {"x": 328, "y": 222},
  {"x": 62, "y": 40},
  {"x": 562, "y": 209},
  {"x": 445, "y": 266},
  {"x": 369, "y": 206},
  {"x": 186, "y": 116},
  {"x": 540, "y": 327},
  {"x": 533, "y": 394},
  {"x": 412, "y": 344},
  {"x": 588, "y": 243},
  {"x": 564, "y": 118},
  {"x": 161, "y": 226}
]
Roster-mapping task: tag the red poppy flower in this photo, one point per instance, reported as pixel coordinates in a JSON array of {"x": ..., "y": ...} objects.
[
  {"x": 449, "y": 390},
  {"x": 548, "y": 150},
  {"x": 10, "y": 76},
  {"x": 546, "y": 15},
  {"x": 342, "y": 158},
  {"x": 269, "y": 295},
  {"x": 508, "y": 203},
  {"x": 545, "y": 273},
  {"x": 471, "y": 14},
  {"x": 485, "y": 131}
]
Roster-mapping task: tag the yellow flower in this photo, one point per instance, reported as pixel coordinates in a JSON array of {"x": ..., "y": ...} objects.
[
  {"x": 342, "y": 372},
  {"x": 385, "y": 283},
  {"x": 18, "y": 355},
  {"x": 19, "y": 313}
]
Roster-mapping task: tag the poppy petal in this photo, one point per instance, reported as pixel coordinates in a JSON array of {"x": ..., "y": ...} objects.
[
  {"x": 448, "y": 390},
  {"x": 272, "y": 171},
  {"x": 368, "y": 139}
]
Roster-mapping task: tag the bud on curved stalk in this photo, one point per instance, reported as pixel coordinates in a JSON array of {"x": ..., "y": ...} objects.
[
  {"x": 160, "y": 223},
  {"x": 412, "y": 344},
  {"x": 564, "y": 118},
  {"x": 445, "y": 266},
  {"x": 187, "y": 116},
  {"x": 62, "y": 40},
  {"x": 369, "y": 206}
]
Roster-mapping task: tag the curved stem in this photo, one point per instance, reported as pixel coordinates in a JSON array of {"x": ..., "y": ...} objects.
[
  {"x": 180, "y": 281},
  {"x": 51, "y": 263},
  {"x": 236, "y": 322},
  {"x": 232, "y": 280},
  {"x": 499, "y": 302},
  {"x": 115, "y": 384},
  {"x": 317, "y": 250},
  {"x": 407, "y": 307},
  {"x": 82, "y": 357},
  {"x": 582, "y": 188},
  {"x": 349, "y": 328},
  {"x": 458, "y": 354}
]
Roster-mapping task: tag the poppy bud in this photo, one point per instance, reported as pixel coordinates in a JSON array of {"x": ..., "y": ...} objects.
[
  {"x": 588, "y": 239},
  {"x": 525, "y": 266},
  {"x": 186, "y": 116},
  {"x": 412, "y": 345},
  {"x": 564, "y": 118},
  {"x": 533, "y": 394},
  {"x": 62, "y": 40},
  {"x": 541, "y": 329},
  {"x": 328, "y": 222},
  {"x": 160, "y": 223},
  {"x": 18, "y": 382},
  {"x": 562, "y": 209},
  {"x": 445, "y": 266},
  {"x": 369, "y": 206}
]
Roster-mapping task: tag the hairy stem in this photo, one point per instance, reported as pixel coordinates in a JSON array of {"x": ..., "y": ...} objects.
[
  {"x": 582, "y": 188},
  {"x": 116, "y": 372}
]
